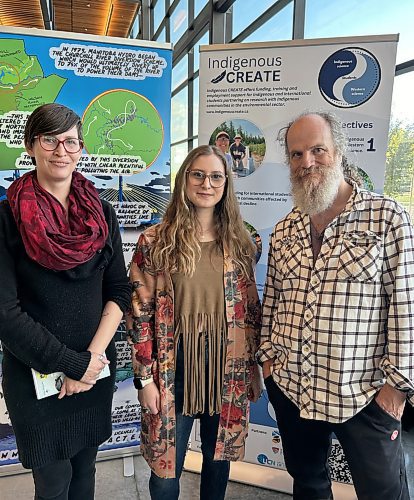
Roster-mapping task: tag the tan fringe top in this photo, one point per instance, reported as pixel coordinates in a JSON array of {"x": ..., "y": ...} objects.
[{"x": 200, "y": 322}]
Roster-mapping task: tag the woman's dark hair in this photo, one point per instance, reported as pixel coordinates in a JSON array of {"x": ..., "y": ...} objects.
[{"x": 51, "y": 119}]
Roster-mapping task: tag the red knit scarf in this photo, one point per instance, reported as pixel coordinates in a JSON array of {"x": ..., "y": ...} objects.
[{"x": 52, "y": 238}]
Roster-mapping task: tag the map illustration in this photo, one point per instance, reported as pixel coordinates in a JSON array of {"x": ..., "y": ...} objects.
[
  {"x": 23, "y": 87},
  {"x": 124, "y": 123}
]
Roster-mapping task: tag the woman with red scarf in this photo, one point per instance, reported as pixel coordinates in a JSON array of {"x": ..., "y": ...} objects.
[{"x": 64, "y": 290}]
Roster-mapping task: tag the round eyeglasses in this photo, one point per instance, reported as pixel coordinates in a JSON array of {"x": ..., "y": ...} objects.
[
  {"x": 197, "y": 178},
  {"x": 50, "y": 143}
]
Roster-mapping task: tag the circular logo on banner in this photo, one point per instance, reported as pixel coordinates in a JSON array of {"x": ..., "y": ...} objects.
[{"x": 349, "y": 77}]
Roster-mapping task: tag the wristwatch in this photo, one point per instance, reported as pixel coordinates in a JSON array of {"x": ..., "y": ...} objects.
[{"x": 140, "y": 383}]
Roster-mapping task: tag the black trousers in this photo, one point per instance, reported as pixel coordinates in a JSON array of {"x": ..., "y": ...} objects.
[
  {"x": 372, "y": 448},
  {"x": 72, "y": 479}
]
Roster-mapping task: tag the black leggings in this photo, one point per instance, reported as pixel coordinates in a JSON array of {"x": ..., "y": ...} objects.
[{"x": 71, "y": 479}]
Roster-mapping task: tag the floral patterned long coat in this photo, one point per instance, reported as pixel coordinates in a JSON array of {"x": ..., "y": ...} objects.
[{"x": 151, "y": 335}]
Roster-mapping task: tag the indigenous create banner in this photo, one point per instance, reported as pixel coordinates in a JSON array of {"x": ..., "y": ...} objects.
[
  {"x": 120, "y": 88},
  {"x": 254, "y": 90}
]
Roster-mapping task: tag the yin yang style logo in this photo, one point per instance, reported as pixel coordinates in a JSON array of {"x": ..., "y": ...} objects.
[{"x": 349, "y": 77}]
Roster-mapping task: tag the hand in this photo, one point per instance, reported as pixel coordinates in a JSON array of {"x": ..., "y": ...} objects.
[
  {"x": 267, "y": 368},
  {"x": 96, "y": 365},
  {"x": 255, "y": 389},
  {"x": 391, "y": 400},
  {"x": 70, "y": 387},
  {"x": 149, "y": 398}
]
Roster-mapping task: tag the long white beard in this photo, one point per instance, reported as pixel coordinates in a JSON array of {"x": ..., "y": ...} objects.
[{"x": 316, "y": 197}]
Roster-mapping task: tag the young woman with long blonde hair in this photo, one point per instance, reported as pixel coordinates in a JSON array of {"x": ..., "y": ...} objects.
[{"x": 194, "y": 328}]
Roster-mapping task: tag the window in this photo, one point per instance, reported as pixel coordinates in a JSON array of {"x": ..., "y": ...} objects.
[
  {"x": 180, "y": 72},
  {"x": 178, "y": 154},
  {"x": 179, "y": 116},
  {"x": 195, "y": 106},
  {"x": 279, "y": 27},
  {"x": 179, "y": 21},
  {"x": 161, "y": 37},
  {"x": 198, "y": 6},
  {"x": 159, "y": 13},
  {"x": 323, "y": 19},
  {"x": 399, "y": 171},
  {"x": 243, "y": 17},
  {"x": 333, "y": 18},
  {"x": 203, "y": 41}
]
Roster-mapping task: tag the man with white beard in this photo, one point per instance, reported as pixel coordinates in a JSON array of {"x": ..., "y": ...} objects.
[{"x": 338, "y": 320}]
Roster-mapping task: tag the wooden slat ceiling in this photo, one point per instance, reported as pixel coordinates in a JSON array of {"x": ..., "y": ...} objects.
[
  {"x": 96, "y": 17},
  {"x": 16, "y": 13}
]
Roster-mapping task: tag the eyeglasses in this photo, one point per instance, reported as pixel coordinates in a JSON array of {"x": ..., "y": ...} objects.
[
  {"x": 197, "y": 178},
  {"x": 51, "y": 143},
  {"x": 223, "y": 139}
]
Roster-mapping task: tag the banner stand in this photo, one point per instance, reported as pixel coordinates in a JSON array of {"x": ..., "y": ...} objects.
[
  {"x": 265, "y": 477},
  {"x": 129, "y": 466},
  {"x": 118, "y": 87},
  {"x": 250, "y": 91}
]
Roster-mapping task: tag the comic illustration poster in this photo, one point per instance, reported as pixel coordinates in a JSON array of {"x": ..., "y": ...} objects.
[{"x": 121, "y": 90}]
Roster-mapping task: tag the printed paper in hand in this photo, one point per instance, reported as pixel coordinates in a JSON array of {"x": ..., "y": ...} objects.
[{"x": 50, "y": 384}]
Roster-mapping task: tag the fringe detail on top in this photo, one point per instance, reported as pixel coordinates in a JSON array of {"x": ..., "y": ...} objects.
[{"x": 212, "y": 336}]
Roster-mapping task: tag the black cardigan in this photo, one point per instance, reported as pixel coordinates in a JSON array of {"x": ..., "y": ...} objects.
[{"x": 47, "y": 320}]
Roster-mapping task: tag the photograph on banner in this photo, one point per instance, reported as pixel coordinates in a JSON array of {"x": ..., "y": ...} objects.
[
  {"x": 118, "y": 89},
  {"x": 243, "y": 145},
  {"x": 268, "y": 84}
]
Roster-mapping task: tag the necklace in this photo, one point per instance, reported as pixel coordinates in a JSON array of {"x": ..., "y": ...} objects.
[{"x": 204, "y": 233}]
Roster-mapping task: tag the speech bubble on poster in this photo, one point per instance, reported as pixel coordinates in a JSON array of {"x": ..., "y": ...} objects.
[
  {"x": 96, "y": 164},
  {"x": 131, "y": 213},
  {"x": 110, "y": 165},
  {"x": 123, "y": 351},
  {"x": 128, "y": 246},
  {"x": 123, "y": 436},
  {"x": 23, "y": 161},
  {"x": 12, "y": 126},
  {"x": 108, "y": 62},
  {"x": 125, "y": 413}
]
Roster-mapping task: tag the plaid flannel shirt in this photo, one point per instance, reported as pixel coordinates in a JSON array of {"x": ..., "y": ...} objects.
[{"x": 340, "y": 327}]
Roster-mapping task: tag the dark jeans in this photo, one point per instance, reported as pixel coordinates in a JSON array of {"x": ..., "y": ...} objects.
[
  {"x": 375, "y": 458},
  {"x": 71, "y": 479},
  {"x": 214, "y": 473}
]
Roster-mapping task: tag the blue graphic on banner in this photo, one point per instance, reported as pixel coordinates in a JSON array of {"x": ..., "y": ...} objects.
[{"x": 349, "y": 77}]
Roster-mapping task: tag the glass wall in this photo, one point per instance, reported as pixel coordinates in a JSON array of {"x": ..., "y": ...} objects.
[
  {"x": 273, "y": 20},
  {"x": 278, "y": 27},
  {"x": 243, "y": 17},
  {"x": 179, "y": 21},
  {"x": 332, "y": 18},
  {"x": 158, "y": 13}
]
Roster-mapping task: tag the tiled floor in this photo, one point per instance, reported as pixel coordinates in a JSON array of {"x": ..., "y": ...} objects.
[{"x": 112, "y": 485}]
